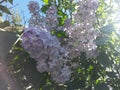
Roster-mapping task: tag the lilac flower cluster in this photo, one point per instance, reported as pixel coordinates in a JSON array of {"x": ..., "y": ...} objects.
[
  {"x": 48, "y": 51},
  {"x": 51, "y": 18},
  {"x": 33, "y": 6},
  {"x": 34, "y": 9},
  {"x": 82, "y": 34}
]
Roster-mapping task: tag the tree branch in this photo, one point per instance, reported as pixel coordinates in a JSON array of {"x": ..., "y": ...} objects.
[{"x": 2, "y": 1}]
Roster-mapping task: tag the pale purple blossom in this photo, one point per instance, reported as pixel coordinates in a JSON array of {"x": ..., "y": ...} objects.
[
  {"x": 33, "y": 7},
  {"x": 45, "y": 49},
  {"x": 50, "y": 53},
  {"x": 62, "y": 75},
  {"x": 82, "y": 34},
  {"x": 51, "y": 18}
]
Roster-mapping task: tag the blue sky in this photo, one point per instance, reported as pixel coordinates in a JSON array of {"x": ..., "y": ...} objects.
[{"x": 21, "y": 7}]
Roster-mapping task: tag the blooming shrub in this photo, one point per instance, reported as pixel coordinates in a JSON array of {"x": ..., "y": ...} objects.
[
  {"x": 47, "y": 49},
  {"x": 69, "y": 45}
]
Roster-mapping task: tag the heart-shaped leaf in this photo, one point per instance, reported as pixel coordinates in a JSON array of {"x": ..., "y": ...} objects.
[{"x": 101, "y": 41}]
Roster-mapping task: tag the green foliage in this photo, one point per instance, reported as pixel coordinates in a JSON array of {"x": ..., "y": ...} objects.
[
  {"x": 10, "y": 1},
  {"x": 102, "y": 86},
  {"x": 61, "y": 34},
  {"x": 24, "y": 69},
  {"x": 12, "y": 23},
  {"x": 15, "y": 18},
  {"x": 103, "y": 12},
  {"x": 4, "y": 24},
  {"x": 1, "y": 14},
  {"x": 101, "y": 41},
  {"x": 108, "y": 29},
  {"x": 46, "y": 1},
  {"x": 4, "y": 9},
  {"x": 104, "y": 59},
  {"x": 44, "y": 8}
]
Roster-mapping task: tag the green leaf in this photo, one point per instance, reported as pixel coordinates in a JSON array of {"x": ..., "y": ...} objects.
[
  {"x": 61, "y": 17},
  {"x": 52, "y": 32},
  {"x": 78, "y": 84},
  {"x": 11, "y": 1},
  {"x": 107, "y": 29},
  {"x": 104, "y": 60},
  {"x": 61, "y": 34},
  {"x": 44, "y": 8},
  {"x": 101, "y": 41},
  {"x": 4, "y": 24},
  {"x": 46, "y": 1},
  {"x": 111, "y": 74},
  {"x": 102, "y": 86},
  {"x": 4, "y": 9},
  {"x": 0, "y": 13}
]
